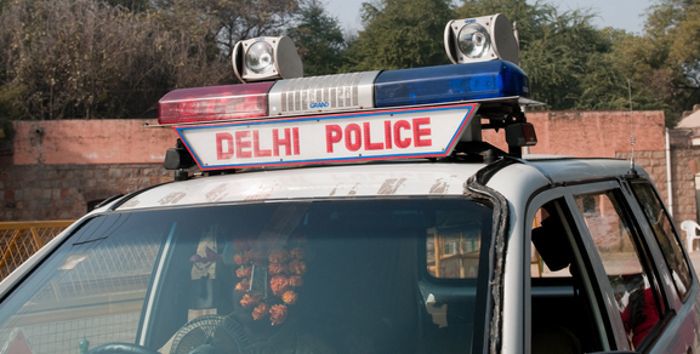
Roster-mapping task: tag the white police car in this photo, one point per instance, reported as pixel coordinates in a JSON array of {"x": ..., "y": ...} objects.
[{"x": 361, "y": 213}]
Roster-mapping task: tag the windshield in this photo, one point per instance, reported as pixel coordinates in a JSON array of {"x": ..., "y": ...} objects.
[{"x": 341, "y": 276}]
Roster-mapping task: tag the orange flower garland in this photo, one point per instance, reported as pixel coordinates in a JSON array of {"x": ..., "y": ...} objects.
[{"x": 284, "y": 273}]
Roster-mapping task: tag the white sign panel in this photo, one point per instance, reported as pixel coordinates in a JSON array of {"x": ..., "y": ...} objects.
[{"x": 386, "y": 134}]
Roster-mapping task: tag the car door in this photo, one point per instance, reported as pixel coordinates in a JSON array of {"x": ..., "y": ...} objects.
[{"x": 623, "y": 263}]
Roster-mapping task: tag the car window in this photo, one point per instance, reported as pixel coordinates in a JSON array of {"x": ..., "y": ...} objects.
[
  {"x": 340, "y": 276},
  {"x": 95, "y": 292},
  {"x": 564, "y": 313},
  {"x": 669, "y": 242},
  {"x": 625, "y": 262}
]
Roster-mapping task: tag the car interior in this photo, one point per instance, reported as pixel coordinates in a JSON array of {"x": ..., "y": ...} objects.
[{"x": 559, "y": 302}]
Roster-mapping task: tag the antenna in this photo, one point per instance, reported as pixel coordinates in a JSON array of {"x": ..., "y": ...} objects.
[
  {"x": 633, "y": 141},
  {"x": 629, "y": 92},
  {"x": 633, "y": 132}
]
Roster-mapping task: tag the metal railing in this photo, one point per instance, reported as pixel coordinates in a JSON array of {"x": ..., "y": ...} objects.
[{"x": 20, "y": 239}]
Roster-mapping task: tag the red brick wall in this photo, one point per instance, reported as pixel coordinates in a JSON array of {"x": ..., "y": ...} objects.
[
  {"x": 107, "y": 141},
  {"x": 40, "y": 191},
  {"x": 59, "y": 166},
  {"x": 592, "y": 134}
]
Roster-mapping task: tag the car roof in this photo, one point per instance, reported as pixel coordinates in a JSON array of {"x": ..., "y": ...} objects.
[
  {"x": 387, "y": 179},
  {"x": 366, "y": 180},
  {"x": 567, "y": 170}
]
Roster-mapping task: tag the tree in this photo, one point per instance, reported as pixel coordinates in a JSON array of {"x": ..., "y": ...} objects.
[
  {"x": 400, "y": 34},
  {"x": 318, "y": 39},
  {"x": 233, "y": 20},
  {"x": 76, "y": 58},
  {"x": 672, "y": 31},
  {"x": 116, "y": 58}
]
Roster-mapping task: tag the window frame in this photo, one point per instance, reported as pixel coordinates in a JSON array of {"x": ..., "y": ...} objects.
[
  {"x": 660, "y": 258},
  {"x": 596, "y": 299},
  {"x": 648, "y": 258}
]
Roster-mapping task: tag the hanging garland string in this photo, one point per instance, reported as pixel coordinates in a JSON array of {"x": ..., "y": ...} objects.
[{"x": 269, "y": 281}]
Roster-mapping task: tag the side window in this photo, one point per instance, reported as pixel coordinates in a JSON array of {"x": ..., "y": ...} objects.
[
  {"x": 626, "y": 264},
  {"x": 563, "y": 305},
  {"x": 665, "y": 236}
]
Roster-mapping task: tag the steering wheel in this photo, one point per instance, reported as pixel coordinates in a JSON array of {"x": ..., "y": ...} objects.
[{"x": 121, "y": 348}]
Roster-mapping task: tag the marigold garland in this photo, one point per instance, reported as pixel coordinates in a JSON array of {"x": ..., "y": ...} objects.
[{"x": 285, "y": 269}]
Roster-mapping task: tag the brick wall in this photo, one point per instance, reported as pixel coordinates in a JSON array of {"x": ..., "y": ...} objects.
[
  {"x": 685, "y": 160},
  {"x": 39, "y": 192},
  {"x": 59, "y": 166},
  {"x": 592, "y": 134},
  {"x": 89, "y": 142}
]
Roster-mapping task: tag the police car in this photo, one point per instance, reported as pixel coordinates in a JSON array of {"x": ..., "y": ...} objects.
[{"x": 362, "y": 213}]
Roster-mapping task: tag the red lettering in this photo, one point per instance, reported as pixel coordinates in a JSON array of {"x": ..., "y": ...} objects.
[
  {"x": 369, "y": 145},
  {"x": 353, "y": 139},
  {"x": 224, "y": 152},
  {"x": 257, "y": 151},
  {"x": 401, "y": 143},
  {"x": 421, "y": 136},
  {"x": 242, "y": 142},
  {"x": 334, "y": 133},
  {"x": 387, "y": 134},
  {"x": 277, "y": 142},
  {"x": 295, "y": 135}
]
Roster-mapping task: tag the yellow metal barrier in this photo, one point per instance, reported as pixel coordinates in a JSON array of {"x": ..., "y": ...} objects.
[{"x": 20, "y": 239}]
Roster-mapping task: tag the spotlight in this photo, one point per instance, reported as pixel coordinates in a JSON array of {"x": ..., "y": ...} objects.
[
  {"x": 266, "y": 58},
  {"x": 481, "y": 39}
]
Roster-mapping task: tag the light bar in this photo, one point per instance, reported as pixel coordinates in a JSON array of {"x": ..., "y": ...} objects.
[
  {"x": 345, "y": 92},
  {"x": 449, "y": 83},
  {"x": 212, "y": 103}
]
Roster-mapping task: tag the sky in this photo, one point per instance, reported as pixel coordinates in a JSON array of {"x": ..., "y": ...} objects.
[{"x": 625, "y": 14}]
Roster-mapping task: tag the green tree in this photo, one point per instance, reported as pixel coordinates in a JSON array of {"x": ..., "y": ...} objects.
[
  {"x": 400, "y": 34},
  {"x": 556, "y": 48},
  {"x": 116, "y": 58},
  {"x": 318, "y": 39},
  {"x": 672, "y": 31}
]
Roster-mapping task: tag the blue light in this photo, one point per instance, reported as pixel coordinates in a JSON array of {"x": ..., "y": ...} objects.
[{"x": 449, "y": 83}]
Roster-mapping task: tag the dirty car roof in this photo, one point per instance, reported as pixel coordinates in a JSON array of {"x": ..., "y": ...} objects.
[{"x": 399, "y": 179}]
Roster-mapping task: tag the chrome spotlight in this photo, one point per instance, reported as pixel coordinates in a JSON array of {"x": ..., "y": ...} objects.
[
  {"x": 266, "y": 58},
  {"x": 481, "y": 39}
]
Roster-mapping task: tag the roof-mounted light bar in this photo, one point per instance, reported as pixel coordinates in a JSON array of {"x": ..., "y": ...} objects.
[{"x": 345, "y": 92}]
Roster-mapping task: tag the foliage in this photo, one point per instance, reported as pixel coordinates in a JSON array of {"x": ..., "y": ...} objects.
[
  {"x": 116, "y": 58},
  {"x": 400, "y": 34},
  {"x": 318, "y": 39},
  {"x": 672, "y": 31}
]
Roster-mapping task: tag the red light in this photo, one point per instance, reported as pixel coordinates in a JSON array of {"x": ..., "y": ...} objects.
[{"x": 202, "y": 104}]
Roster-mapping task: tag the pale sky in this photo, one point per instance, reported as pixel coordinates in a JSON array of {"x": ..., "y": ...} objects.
[{"x": 625, "y": 14}]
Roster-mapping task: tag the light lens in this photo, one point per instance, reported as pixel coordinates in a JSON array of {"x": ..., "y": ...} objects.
[
  {"x": 258, "y": 58},
  {"x": 473, "y": 40},
  {"x": 203, "y": 104},
  {"x": 449, "y": 83}
]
